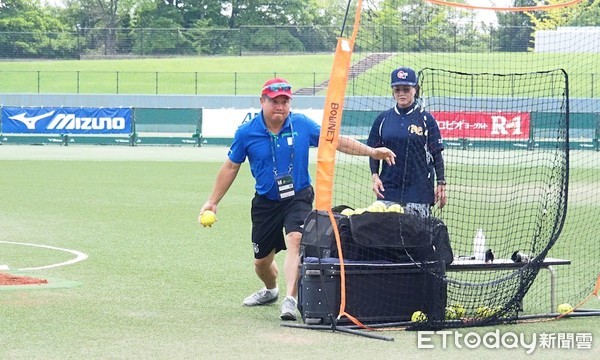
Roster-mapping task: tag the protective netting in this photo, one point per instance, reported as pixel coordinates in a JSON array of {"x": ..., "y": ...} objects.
[
  {"x": 504, "y": 178},
  {"x": 520, "y": 132}
]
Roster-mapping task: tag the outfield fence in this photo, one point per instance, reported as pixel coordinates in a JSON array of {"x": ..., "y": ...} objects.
[
  {"x": 144, "y": 82},
  {"x": 182, "y": 83},
  {"x": 205, "y": 127}
]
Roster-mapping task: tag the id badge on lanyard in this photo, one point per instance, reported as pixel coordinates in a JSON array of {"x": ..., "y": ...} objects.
[
  {"x": 285, "y": 181},
  {"x": 285, "y": 185}
]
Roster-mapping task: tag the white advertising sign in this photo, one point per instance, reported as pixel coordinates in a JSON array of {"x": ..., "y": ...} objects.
[{"x": 222, "y": 123}]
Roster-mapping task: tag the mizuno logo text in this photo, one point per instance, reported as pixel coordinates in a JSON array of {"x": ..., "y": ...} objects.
[{"x": 70, "y": 122}]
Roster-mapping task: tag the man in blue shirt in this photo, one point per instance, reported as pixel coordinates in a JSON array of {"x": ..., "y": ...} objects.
[
  {"x": 276, "y": 143},
  {"x": 414, "y": 136}
]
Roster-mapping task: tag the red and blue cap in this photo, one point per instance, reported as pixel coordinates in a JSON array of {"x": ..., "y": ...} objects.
[
  {"x": 277, "y": 87},
  {"x": 404, "y": 76}
]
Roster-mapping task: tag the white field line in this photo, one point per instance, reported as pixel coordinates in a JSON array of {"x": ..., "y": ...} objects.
[{"x": 79, "y": 256}]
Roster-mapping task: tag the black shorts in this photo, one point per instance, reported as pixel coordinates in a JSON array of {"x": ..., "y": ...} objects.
[{"x": 271, "y": 217}]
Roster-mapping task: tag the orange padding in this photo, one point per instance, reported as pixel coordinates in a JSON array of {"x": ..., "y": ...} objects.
[
  {"x": 331, "y": 124},
  {"x": 495, "y": 8}
]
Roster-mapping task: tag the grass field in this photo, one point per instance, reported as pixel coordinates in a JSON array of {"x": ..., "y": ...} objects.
[
  {"x": 239, "y": 75},
  {"x": 204, "y": 75},
  {"x": 155, "y": 284}
]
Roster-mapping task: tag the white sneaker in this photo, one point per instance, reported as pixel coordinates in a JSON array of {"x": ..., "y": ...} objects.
[
  {"x": 262, "y": 297},
  {"x": 288, "y": 309}
]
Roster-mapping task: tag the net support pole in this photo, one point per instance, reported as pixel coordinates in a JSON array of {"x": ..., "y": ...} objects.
[
  {"x": 332, "y": 116},
  {"x": 330, "y": 132},
  {"x": 331, "y": 124}
]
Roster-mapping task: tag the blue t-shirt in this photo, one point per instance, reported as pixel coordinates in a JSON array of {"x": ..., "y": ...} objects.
[
  {"x": 413, "y": 135},
  {"x": 266, "y": 151}
]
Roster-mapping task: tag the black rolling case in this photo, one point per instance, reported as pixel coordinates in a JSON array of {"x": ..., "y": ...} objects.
[
  {"x": 375, "y": 292},
  {"x": 392, "y": 269}
]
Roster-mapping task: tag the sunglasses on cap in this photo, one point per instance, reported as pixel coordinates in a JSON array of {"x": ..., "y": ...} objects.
[{"x": 278, "y": 87}]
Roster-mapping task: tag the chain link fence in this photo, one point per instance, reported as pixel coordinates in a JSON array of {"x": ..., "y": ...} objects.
[
  {"x": 247, "y": 40},
  {"x": 251, "y": 40}
]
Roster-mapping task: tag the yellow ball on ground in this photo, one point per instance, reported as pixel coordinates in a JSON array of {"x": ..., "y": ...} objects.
[
  {"x": 497, "y": 309},
  {"x": 451, "y": 313},
  {"x": 418, "y": 316},
  {"x": 484, "y": 312},
  {"x": 207, "y": 218},
  {"x": 460, "y": 310},
  {"x": 564, "y": 308}
]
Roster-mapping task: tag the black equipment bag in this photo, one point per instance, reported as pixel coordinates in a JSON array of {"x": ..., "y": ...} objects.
[
  {"x": 318, "y": 238},
  {"x": 398, "y": 238},
  {"x": 377, "y": 236}
]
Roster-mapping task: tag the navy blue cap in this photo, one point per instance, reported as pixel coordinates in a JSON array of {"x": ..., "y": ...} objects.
[{"x": 404, "y": 76}]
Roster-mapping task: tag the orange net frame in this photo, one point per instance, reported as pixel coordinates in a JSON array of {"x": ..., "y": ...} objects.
[{"x": 509, "y": 8}]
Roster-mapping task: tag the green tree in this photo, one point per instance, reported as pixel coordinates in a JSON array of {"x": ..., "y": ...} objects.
[
  {"x": 270, "y": 12},
  {"x": 125, "y": 36},
  {"x": 158, "y": 30},
  {"x": 158, "y": 14},
  {"x": 421, "y": 26},
  {"x": 104, "y": 17},
  {"x": 299, "y": 25},
  {"x": 271, "y": 39},
  {"x": 552, "y": 18},
  {"x": 29, "y": 30},
  {"x": 514, "y": 29},
  {"x": 207, "y": 11},
  {"x": 586, "y": 13}
]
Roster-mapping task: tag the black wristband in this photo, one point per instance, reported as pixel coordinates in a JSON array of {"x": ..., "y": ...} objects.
[{"x": 441, "y": 182}]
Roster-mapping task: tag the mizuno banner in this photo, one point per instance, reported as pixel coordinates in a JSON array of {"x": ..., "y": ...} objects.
[{"x": 49, "y": 120}]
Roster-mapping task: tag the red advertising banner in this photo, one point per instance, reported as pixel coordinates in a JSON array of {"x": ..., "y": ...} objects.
[{"x": 471, "y": 125}]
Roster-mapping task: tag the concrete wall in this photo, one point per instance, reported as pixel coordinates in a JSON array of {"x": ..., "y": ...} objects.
[
  {"x": 148, "y": 101},
  {"x": 568, "y": 39}
]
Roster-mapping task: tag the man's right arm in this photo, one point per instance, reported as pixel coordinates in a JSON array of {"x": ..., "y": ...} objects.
[{"x": 225, "y": 178}]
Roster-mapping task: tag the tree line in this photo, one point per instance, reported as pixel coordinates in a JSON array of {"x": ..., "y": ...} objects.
[{"x": 72, "y": 28}]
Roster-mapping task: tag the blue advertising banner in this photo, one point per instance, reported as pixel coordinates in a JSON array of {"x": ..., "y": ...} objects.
[{"x": 53, "y": 120}]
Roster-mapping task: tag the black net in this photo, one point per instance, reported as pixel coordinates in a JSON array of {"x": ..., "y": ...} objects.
[{"x": 515, "y": 144}]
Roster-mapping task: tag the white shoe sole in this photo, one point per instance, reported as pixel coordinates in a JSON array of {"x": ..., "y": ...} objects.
[
  {"x": 288, "y": 317},
  {"x": 260, "y": 304}
]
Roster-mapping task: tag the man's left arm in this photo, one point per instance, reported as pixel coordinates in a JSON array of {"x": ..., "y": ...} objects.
[{"x": 351, "y": 146}]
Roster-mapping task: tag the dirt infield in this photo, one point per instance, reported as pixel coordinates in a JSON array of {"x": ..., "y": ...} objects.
[{"x": 9, "y": 279}]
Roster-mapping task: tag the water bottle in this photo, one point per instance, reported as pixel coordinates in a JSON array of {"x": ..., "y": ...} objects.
[{"x": 479, "y": 245}]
